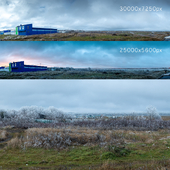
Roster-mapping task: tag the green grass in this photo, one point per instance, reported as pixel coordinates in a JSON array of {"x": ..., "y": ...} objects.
[
  {"x": 82, "y": 156},
  {"x": 78, "y": 156},
  {"x": 133, "y": 155}
]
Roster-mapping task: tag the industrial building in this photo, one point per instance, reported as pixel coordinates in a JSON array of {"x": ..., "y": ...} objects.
[
  {"x": 21, "y": 67},
  {"x": 7, "y": 32},
  {"x": 4, "y": 69},
  {"x": 30, "y": 30}
]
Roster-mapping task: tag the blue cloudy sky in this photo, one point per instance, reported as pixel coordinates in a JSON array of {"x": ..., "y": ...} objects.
[
  {"x": 84, "y": 96},
  {"x": 86, "y": 54},
  {"x": 85, "y": 14}
]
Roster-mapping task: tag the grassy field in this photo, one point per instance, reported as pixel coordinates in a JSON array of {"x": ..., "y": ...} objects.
[
  {"x": 92, "y": 36},
  {"x": 115, "y": 74},
  {"x": 128, "y": 150}
]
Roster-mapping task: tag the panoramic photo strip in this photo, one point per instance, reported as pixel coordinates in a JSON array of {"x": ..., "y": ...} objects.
[
  {"x": 84, "y": 20},
  {"x": 85, "y": 60},
  {"x": 77, "y": 124}
]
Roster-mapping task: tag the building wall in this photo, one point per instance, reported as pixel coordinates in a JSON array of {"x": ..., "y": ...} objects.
[
  {"x": 24, "y": 29},
  {"x": 4, "y": 69},
  {"x": 29, "y": 30},
  {"x": 10, "y": 32},
  {"x": 20, "y": 67}
]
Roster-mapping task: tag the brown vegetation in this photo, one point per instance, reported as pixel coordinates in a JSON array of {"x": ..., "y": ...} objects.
[
  {"x": 3, "y": 135},
  {"x": 92, "y": 36},
  {"x": 62, "y": 138}
]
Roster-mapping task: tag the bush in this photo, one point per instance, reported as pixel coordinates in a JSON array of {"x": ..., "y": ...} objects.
[
  {"x": 2, "y": 114},
  {"x": 120, "y": 152},
  {"x": 108, "y": 155},
  {"x": 153, "y": 113}
]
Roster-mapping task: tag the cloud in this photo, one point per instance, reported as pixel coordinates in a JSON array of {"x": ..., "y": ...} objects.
[
  {"x": 86, "y": 54},
  {"x": 82, "y": 96},
  {"x": 84, "y": 14}
]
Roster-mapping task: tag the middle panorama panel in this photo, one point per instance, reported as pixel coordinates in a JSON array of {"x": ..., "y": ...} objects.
[{"x": 85, "y": 60}]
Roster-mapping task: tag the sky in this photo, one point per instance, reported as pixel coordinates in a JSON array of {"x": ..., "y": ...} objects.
[
  {"x": 86, "y": 54},
  {"x": 86, "y": 14},
  {"x": 87, "y": 96}
]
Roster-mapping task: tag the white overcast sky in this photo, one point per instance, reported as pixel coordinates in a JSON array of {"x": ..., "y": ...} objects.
[
  {"x": 85, "y": 14},
  {"x": 87, "y": 96}
]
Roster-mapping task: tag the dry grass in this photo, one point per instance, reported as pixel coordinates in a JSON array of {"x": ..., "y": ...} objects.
[
  {"x": 3, "y": 135},
  {"x": 8, "y": 127},
  {"x": 165, "y": 117},
  {"x": 64, "y": 136},
  {"x": 151, "y": 165},
  {"x": 58, "y": 138},
  {"x": 106, "y": 166},
  {"x": 92, "y": 36},
  {"x": 15, "y": 143}
]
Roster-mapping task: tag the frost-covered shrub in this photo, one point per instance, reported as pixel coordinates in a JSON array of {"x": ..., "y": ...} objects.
[
  {"x": 153, "y": 114},
  {"x": 54, "y": 114},
  {"x": 133, "y": 116},
  {"x": 26, "y": 116},
  {"x": 50, "y": 140},
  {"x": 59, "y": 138}
]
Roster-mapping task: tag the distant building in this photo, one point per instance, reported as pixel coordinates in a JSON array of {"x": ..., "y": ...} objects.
[
  {"x": 5, "y": 32},
  {"x": 10, "y": 32},
  {"x": 21, "y": 67},
  {"x": 4, "y": 69},
  {"x": 165, "y": 76},
  {"x": 167, "y": 38},
  {"x": 28, "y": 29}
]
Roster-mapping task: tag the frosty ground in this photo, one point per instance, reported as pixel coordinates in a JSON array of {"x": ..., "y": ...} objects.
[
  {"x": 127, "y": 142},
  {"x": 87, "y": 74}
]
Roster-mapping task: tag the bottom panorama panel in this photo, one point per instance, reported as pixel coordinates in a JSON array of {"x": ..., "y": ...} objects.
[
  {"x": 90, "y": 124},
  {"x": 85, "y": 60}
]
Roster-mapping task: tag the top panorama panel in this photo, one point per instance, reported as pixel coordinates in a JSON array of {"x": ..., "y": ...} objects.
[{"x": 84, "y": 20}]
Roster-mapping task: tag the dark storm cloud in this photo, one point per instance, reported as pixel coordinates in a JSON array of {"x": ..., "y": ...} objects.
[
  {"x": 84, "y": 14},
  {"x": 86, "y": 54},
  {"x": 87, "y": 96}
]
